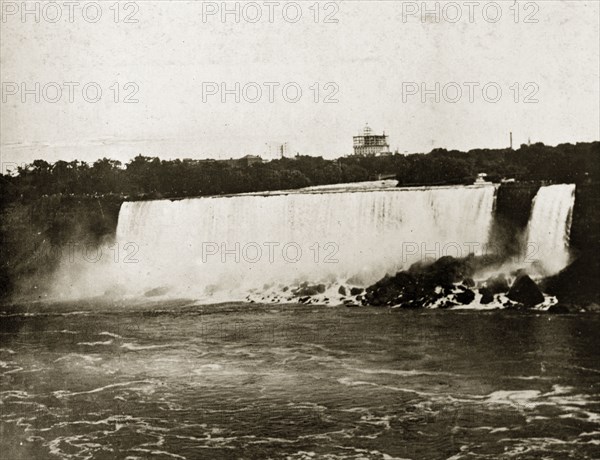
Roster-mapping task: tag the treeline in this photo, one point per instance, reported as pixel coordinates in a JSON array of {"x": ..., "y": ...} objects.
[
  {"x": 149, "y": 177},
  {"x": 565, "y": 163}
]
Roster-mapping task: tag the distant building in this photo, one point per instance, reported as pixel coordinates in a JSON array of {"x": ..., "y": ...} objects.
[
  {"x": 369, "y": 144},
  {"x": 249, "y": 160},
  {"x": 245, "y": 161}
]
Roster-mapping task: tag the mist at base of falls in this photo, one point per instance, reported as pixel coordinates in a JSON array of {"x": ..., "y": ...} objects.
[{"x": 226, "y": 248}]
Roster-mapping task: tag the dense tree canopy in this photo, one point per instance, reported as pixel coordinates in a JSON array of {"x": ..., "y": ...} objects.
[{"x": 146, "y": 177}]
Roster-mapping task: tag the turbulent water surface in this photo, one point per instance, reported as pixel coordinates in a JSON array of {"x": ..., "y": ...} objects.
[{"x": 182, "y": 381}]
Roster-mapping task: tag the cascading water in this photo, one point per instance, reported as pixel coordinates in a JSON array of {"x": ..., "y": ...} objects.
[
  {"x": 227, "y": 247},
  {"x": 549, "y": 228}
]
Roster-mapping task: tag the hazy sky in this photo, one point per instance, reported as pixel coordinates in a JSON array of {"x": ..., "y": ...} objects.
[{"x": 370, "y": 57}]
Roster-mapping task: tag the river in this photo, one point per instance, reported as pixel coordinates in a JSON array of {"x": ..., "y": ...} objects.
[{"x": 174, "y": 379}]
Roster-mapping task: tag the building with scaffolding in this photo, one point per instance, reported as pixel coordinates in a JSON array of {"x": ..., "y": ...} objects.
[{"x": 369, "y": 144}]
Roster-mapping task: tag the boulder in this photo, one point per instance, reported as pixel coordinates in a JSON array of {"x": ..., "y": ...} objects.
[
  {"x": 465, "y": 297},
  {"x": 497, "y": 284},
  {"x": 486, "y": 296},
  {"x": 356, "y": 291},
  {"x": 342, "y": 290},
  {"x": 525, "y": 291}
]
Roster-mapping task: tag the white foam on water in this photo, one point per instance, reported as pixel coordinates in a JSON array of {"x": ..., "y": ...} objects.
[
  {"x": 93, "y": 344},
  {"x": 136, "y": 347},
  {"x": 110, "y": 334}
]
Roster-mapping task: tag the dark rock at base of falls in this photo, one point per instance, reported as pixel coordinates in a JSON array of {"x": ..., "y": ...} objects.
[
  {"x": 342, "y": 290},
  {"x": 578, "y": 283},
  {"x": 487, "y": 296},
  {"x": 497, "y": 284},
  {"x": 465, "y": 297},
  {"x": 427, "y": 283},
  {"x": 356, "y": 291},
  {"x": 422, "y": 284},
  {"x": 525, "y": 291},
  {"x": 445, "y": 271}
]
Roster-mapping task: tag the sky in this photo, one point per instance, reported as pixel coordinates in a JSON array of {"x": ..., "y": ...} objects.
[{"x": 354, "y": 62}]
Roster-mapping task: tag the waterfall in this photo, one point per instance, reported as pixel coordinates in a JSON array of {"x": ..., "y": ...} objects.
[
  {"x": 230, "y": 246},
  {"x": 549, "y": 228}
]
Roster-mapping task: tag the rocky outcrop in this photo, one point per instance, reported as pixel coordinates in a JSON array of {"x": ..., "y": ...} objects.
[
  {"x": 525, "y": 291},
  {"x": 511, "y": 215},
  {"x": 465, "y": 297},
  {"x": 487, "y": 296},
  {"x": 578, "y": 283},
  {"x": 446, "y": 284},
  {"x": 423, "y": 284}
]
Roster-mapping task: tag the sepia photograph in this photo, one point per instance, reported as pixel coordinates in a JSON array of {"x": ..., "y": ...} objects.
[{"x": 299, "y": 230}]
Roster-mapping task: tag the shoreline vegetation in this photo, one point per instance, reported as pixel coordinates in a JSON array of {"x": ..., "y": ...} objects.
[
  {"x": 45, "y": 207},
  {"x": 153, "y": 178}
]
